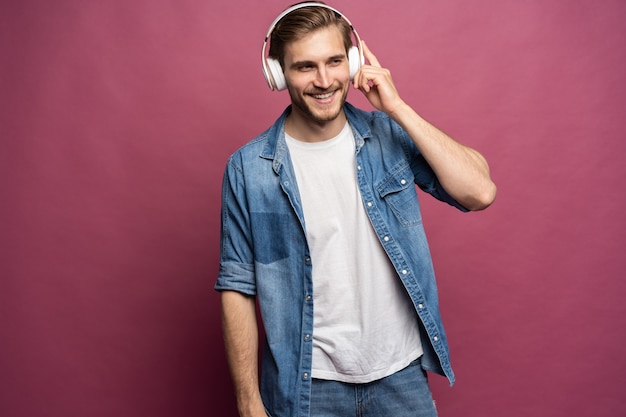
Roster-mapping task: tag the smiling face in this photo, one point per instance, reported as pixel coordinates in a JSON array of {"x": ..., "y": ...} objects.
[{"x": 318, "y": 77}]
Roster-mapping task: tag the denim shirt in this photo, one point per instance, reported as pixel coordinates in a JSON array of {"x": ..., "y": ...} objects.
[{"x": 264, "y": 251}]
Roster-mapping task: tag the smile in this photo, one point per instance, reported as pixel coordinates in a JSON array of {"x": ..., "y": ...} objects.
[{"x": 323, "y": 96}]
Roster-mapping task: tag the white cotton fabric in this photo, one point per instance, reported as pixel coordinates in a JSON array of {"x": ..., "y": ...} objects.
[{"x": 365, "y": 327}]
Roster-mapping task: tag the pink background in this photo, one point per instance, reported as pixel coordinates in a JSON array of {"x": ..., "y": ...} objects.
[{"x": 117, "y": 118}]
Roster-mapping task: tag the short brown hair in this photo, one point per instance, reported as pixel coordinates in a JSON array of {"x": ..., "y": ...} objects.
[{"x": 300, "y": 22}]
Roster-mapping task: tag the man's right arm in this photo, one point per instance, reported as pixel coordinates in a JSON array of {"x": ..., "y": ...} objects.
[{"x": 241, "y": 338}]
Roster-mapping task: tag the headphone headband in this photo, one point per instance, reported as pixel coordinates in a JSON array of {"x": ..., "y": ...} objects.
[
  {"x": 271, "y": 68},
  {"x": 301, "y": 6}
]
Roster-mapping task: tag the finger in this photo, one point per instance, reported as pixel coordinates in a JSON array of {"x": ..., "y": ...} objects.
[
  {"x": 370, "y": 76},
  {"x": 361, "y": 81},
  {"x": 363, "y": 78},
  {"x": 370, "y": 56}
]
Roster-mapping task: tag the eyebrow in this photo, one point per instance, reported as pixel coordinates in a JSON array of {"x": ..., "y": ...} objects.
[{"x": 308, "y": 62}]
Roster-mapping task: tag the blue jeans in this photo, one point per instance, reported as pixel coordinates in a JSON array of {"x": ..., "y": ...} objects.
[{"x": 403, "y": 394}]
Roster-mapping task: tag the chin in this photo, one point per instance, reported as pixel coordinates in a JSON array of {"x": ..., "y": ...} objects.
[
  {"x": 320, "y": 114},
  {"x": 326, "y": 116}
]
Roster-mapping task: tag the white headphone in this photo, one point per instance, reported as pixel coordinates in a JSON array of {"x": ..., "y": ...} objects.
[{"x": 271, "y": 67}]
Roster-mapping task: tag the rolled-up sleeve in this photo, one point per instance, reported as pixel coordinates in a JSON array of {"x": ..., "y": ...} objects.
[{"x": 236, "y": 270}]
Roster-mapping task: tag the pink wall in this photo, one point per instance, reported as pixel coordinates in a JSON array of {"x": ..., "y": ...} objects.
[{"x": 117, "y": 117}]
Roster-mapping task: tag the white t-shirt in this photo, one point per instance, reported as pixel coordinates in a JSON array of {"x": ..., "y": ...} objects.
[{"x": 365, "y": 327}]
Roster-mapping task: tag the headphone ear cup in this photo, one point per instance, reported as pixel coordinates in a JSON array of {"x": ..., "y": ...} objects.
[
  {"x": 276, "y": 74},
  {"x": 354, "y": 59}
]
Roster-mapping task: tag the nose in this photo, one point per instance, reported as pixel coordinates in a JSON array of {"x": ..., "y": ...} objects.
[{"x": 323, "y": 79}]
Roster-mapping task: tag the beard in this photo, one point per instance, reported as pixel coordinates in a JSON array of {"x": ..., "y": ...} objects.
[{"x": 317, "y": 113}]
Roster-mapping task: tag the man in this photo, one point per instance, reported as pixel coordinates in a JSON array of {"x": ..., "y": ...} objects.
[{"x": 321, "y": 225}]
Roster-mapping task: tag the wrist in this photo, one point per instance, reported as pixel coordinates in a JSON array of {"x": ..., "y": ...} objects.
[
  {"x": 401, "y": 111},
  {"x": 252, "y": 408}
]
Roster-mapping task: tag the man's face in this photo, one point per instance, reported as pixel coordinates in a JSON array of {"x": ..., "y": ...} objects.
[{"x": 318, "y": 75}]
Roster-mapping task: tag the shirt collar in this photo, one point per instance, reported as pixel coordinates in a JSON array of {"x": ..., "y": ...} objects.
[{"x": 276, "y": 146}]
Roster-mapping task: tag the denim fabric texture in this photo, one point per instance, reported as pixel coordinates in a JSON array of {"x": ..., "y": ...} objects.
[
  {"x": 403, "y": 394},
  {"x": 264, "y": 251}
]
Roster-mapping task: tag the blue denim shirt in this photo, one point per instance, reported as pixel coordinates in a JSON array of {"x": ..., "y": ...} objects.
[{"x": 264, "y": 251}]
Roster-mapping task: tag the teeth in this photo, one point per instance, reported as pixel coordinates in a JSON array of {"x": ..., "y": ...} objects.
[{"x": 322, "y": 96}]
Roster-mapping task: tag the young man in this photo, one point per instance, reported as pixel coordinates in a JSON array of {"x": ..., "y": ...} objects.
[{"x": 321, "y": 225}]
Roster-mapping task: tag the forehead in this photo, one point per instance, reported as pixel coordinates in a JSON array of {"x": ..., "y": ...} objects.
[{"x": 317, "y": 45}]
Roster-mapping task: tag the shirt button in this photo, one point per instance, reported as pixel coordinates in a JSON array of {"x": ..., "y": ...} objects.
[
  {"x": 305, "y": 375},
  {"x": 308, "y": 298},
  {"x": 386, "y": 238},
  {"x": 369, "y": 204},
  {"x": 358, "y": 167},
  {"x": 435, "y": 338},
  {"x": 403, "y": 182},
  {"x": 404, "y": 272},
  {"x": 307, "y": 337},
  {"x": 420, "y": 306},
  {"x": 307, "y": 259}
]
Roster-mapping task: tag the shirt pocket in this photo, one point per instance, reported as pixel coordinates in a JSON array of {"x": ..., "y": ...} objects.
[{"x": 397, "y": 190}]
